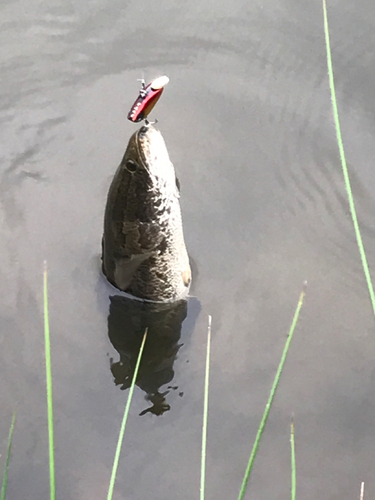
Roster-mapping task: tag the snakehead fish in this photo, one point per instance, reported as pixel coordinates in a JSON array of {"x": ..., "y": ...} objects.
[{"x": 144, "y": 250}]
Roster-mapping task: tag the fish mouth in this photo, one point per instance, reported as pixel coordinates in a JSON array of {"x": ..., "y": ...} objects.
[{"x": 143, "y": 144}]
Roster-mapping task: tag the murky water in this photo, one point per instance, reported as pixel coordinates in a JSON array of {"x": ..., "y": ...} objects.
[{"x": 247, "y": 121}]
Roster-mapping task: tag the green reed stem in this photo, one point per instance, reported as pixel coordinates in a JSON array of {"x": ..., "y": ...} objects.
[
  {"x": 292, "y": 462},
  {"x": 271, "y": 397},
  {"x": 343, "y": 161},
  {"x": 205, "y": 411},
  {"x": 49, "y": 386},
  {"x": 124, "y": 420},
  {"x": 362, "y": 494},
  {"x": 5, "y": 475}
]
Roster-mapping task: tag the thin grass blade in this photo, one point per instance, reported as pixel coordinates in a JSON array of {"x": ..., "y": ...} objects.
[
  {"x": 124, "y": 420},
  {"x": 362, "y": 494},
  {"x": 47, "y": 344},
  {"x": 271, "y": 397},
  {"x": 292, "y": 461},
  {"x": 353, "y": 212},
  {"x": 5, "y": 475},
  {"x": 205, "y": 411}
]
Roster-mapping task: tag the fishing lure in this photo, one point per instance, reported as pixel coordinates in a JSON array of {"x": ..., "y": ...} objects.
[{"x": 148, "y": 97}]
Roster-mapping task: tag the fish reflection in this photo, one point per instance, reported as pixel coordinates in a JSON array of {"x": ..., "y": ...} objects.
[{"x": 127, "y": 322}]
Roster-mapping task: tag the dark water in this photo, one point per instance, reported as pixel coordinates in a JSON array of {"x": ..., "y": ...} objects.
[{"x": 247, "y": 120}]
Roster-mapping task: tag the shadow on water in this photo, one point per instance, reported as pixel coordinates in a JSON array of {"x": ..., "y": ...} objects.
[{"x": 166, "y": 323}]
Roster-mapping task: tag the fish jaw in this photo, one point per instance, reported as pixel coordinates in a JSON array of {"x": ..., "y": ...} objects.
[{"x": 153, "y": 154}]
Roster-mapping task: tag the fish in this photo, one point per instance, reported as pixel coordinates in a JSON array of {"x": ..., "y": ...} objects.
[
  {"x": 147, "y": 98},
  {"x": 143, "y": 246}
]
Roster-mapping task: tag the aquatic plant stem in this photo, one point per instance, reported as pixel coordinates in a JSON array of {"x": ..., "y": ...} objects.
[
  {"x": 271, "y": 396},
  {"x": 47, "y": 345},
  {"x": 7, "y": 460},
  {"x": 292, "y": 462},
  {"x": 343, "y": 161},
  {"x": 124, "y": 420},
  {"x": 362, "y": 494},
  {"x": 205, "y": 411}
]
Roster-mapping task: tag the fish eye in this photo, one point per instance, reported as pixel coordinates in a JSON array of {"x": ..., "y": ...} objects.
[{"x": 131, "y": 166}]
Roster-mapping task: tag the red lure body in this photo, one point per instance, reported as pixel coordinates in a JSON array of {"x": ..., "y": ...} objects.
[{"x": 148, "y": 97}]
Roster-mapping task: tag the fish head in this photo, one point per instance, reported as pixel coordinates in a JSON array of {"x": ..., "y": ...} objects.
[{"x": 147, "y": 160}]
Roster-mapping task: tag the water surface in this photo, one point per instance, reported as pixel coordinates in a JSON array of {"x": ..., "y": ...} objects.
[{"x": 247, "y": 121}]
